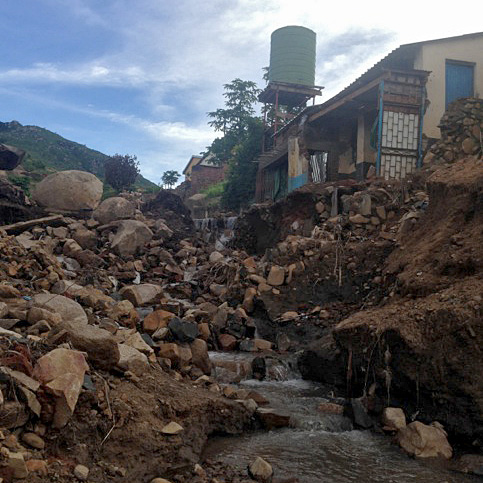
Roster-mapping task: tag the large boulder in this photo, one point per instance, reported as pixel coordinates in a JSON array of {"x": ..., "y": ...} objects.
[
  {"x": 424, "y": 441},
  {"x": 10, "y": 157},
  {"x": 61, "y": 372},
  {"x": 115, "y": 208},
  {"x": 67, "y": 308},
  {"x": 69, "y": 190},
  {"x": 130, "y": 237},
  {"x": 100, "y": 345}
]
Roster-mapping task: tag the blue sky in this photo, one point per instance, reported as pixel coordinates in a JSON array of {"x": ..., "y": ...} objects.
[{"x": 138, "y": 77}]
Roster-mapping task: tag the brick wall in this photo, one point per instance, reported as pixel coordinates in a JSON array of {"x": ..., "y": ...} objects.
[{"x": 204, "y": 176}]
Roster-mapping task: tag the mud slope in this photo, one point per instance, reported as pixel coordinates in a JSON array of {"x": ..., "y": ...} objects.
[{"x": 424, "y": 349}]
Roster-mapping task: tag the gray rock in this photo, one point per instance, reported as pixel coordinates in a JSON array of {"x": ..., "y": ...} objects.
[
  {"x": 68, "y": 309},
  {"x": 131, "y": 236},
  {"x": 183, "y": 331},
  {"x": 115, "y": 208}
]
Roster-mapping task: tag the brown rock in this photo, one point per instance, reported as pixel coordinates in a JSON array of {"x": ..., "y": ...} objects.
[
  {"x": 130, "y": 359},
  {"x": 393, "y": 418},
  {"x": 330, "y": 408},
  {"x": 157, "y": 320},
  {"x": 358, "y": 219},
  {"x": 201, "y": 359},
  {"x": 37, "y": 466},
  {"x": 33, "y": 440},
  {"x": 204, "y": 330},
  {"x": 67, "y": 308},
  {"x": 172, "y": 428},
  {"x": 143, "y": 294},
  {"x": 424, "y": 441},
  {"x": 62, "y": 373},
  {"x": 261, "y": 471},
  {"x": 271, "y": 418},
  {"x": 468, "y": 145},
  {"x": 227, "y": 342},
  {"x": 16, "y": 463},
  {"x": 276, "y": 276},
  {"x": 262, "y": 345},
  {"x": 248, "y": 303}
]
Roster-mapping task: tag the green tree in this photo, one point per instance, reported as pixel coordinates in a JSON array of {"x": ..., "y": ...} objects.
[
  {"x": 170, "y": 178},
  {"x": 121, "y": 171},
  {"x": 241, "y": 180},
  {"x": 233, "y": 119}
]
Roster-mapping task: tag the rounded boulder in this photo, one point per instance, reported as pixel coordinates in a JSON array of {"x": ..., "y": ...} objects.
[
  {"x": 115, "y": 208},
  {"x": 69, "y": 190}
]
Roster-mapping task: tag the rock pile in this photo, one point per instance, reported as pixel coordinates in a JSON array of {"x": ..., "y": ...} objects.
[
  {"x": 83, "y": 302},
  {"x": 461, "y": 132}
]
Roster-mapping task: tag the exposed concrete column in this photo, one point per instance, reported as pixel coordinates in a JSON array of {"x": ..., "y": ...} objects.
[{"x": 297, "y": 165}]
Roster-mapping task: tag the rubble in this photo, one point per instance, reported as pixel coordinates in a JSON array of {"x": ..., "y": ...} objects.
[
  {"x": 461, "y": 132},
  {"x": 106, "y": 322}
]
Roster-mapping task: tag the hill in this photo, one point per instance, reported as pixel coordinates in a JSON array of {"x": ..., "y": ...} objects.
[{"x": 48, "y": 151}]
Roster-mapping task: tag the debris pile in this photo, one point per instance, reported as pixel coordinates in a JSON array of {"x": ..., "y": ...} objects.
[
  {"x": 105, "y": 325},
  {"x": 461, "y": 132}
]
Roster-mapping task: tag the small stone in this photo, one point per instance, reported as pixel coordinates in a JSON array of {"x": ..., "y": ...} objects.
[
  {"x": 276, "y": 277},
  {"x": 261, "y": 470},
  {"x": 381, "y": 212},
  {"x": 37, "y": 466},
  {"x": 358, "y": 219},
  {"x": 16, "y": 464},
  {"x": 81, "y": 472},
  {"x": 289, "y": 315},
  {"x": 160, "y": 480},
  {"x": 172, "y": 428},
  {"x": 227, "y": 342},
  {"x": 271, "y": 418},
  {"x": 330, "y": 408},
  {"x": 216, "y": 257},
  {"x": 33, "y": 440},
  {"x": 468, "y": 145}
]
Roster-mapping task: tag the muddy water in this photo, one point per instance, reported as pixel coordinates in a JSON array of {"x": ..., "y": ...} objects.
[{"x": 317, "y": 447}]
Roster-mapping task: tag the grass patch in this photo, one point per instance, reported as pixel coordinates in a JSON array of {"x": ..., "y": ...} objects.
[{"x": 215, "y": 190}]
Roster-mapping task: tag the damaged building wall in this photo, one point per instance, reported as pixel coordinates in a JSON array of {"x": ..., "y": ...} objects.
[{"x": 434, "y": 56}]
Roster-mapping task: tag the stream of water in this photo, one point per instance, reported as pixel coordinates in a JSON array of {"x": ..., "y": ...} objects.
[{"x": 317, "y": 447}]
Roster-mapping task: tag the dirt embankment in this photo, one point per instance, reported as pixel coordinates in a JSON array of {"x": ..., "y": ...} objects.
[
  {"x": 385, "y": 292},
  {"x": 117, "y": 429},
  {"x": 424, "y": 348}
]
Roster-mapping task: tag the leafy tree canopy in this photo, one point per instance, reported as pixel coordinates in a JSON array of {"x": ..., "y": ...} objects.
[
  {"x": 170, "y": 178},
  {"x": 121, "y": 171}
]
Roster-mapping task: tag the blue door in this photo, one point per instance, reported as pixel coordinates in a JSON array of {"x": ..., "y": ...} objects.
[{"x": 459, "y": 81}]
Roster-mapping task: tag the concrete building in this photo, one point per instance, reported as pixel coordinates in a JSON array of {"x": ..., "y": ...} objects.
[{"x": 381, "y": 122}]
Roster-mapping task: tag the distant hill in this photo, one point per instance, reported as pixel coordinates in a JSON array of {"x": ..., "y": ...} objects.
[{"x": 48, "y": 152}]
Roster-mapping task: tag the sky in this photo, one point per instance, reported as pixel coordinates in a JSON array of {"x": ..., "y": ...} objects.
[{"x": 138, "y": 77}]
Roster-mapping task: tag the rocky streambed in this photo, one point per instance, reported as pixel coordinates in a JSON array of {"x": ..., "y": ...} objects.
[{"x": 308, "y": 439}]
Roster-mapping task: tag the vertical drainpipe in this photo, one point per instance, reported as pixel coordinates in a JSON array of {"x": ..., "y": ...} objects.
[
  {"x": 421, "y": 121},
  {"x": 379, "y": 128}
]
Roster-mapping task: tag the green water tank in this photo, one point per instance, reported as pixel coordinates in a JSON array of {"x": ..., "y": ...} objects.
[{"x": 292, "y": 56}]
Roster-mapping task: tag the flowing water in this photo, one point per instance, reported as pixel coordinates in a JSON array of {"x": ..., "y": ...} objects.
[{"x": 317, "y": 447}]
